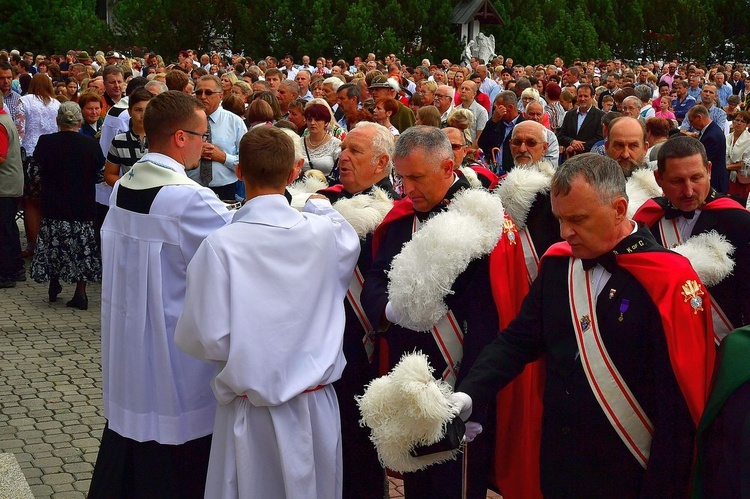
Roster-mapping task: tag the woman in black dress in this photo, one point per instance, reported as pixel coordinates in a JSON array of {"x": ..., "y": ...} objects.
[{"x": 71, "y": 164}]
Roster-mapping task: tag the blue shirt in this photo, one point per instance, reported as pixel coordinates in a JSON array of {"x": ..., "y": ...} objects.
[
  {"x": 723, "y": 92},
  {"x": 694, "y": 93},
  {"x": 681, "y": 108},
  {"x": 717, "y": 114},
  {"x": 227, "y": 130}
]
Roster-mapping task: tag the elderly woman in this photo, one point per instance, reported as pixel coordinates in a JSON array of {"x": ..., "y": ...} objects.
[
  {"x": 322, "y": 149},
  {"x": 738, "y": 155},
  {"x": 66, "y": 246},
  {"x": 427, "y": 91}
]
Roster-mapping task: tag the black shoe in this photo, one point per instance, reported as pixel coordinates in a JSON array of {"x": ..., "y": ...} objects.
[
  {"x": 7, "y": 283},
  {"x": 20, "y": 275},
  {"x": 81, "y": 302},
  {"x": 54, "y": 289}
]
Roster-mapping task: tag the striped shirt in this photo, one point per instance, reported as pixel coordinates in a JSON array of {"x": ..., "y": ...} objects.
[{"x": 126, "y": 149}]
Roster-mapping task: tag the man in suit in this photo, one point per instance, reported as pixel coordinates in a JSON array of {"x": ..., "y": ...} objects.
[
  {"x": 619, "y": 337},
  {"x": 497, "y": 132},
  {"x": 690, "y": 206},
  {"x": 713, "y": 139},
  {"x": 582, "y": 127}
]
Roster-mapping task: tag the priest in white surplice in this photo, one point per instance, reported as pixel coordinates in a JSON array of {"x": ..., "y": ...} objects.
[
  {"x": 265, "y": 303},
  {"x": 157, "y": 399}
]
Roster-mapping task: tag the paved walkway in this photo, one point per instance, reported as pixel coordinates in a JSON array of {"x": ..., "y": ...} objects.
[{"x": 50, "y": 388}]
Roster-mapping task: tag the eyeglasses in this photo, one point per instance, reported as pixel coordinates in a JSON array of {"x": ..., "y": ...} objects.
[
  {"x": 204, "y": 136},
  {"x": 739, "y": 121},
  {"x": 208, "y": 93},
  {"x": 457, "y": 147},
  {"x": 438, "y": 96},
  {"x": 530, "y": 143}
]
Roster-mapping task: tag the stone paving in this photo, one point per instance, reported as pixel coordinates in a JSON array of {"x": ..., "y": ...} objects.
[{"x": 50, "y": 388}]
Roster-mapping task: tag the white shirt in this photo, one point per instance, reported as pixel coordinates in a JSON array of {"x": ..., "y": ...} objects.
[{"x": 153, "y": 390}]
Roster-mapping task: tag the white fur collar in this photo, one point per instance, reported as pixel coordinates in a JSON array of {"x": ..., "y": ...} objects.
[
  {"x": 471, "y": 176},
  {"x": 640, "y": 187},
  {"x": 710, "y": 255},
  {"x": 519, "y": 189},
  {"x": 302, "y": 189},
  {"x": 423, "y": 273},
  {"x": 364, "y": 212}
]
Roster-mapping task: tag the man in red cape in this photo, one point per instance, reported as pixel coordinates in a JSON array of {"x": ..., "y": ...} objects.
[{"x": 653, "y": 326}]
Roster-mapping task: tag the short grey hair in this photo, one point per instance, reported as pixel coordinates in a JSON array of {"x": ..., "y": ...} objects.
[
  {"x": 382, "y": 141},
  {"x": 334, "y": 82},
  {"x": 644, "y": 93},
  {"x": 633, "y": 98},
  {"x": 601, "y": 172},
  {"x": 431, "y": 140},
  {"x": 69, "y": 115},
  {"x": 508, "y": 97},
  {"x": 155, "y": 87}
]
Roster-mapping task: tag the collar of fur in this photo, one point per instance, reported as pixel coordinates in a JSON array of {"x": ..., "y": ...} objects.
[
  {"x": 470, "y": 175},
  {"x": 519, "y": 189},
  {"x": 423, "y": 273},
  {"x": 302, "y": 189},
  {"x": 710, "y": 254},
  {"x": 640, "y": 187},
  {"x": 364, "y": 212}
]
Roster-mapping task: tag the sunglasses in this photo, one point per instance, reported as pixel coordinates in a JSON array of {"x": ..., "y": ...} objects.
[
  {"x": 208, "y": 93},
  {"x": 530, "y": 143}
]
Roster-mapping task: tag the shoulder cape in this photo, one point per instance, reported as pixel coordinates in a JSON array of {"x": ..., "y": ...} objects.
[
  {"x": 689, "y": 335},
  {"x": 653, "y": 210}
]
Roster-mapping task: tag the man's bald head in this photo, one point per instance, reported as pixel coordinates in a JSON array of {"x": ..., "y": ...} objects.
[
  {"x": 626, "y": 144},
  {"x": 528, "y": 143}
]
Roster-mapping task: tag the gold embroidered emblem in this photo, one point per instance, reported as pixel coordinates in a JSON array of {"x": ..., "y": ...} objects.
[
  {"x": 510, "y": 230},
  {"x": 585, "y": 323},
  {"x": 692, "y": 293}
]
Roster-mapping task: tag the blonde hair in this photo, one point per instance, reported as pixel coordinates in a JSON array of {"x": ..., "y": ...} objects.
[{"x": 462, "y": 119}]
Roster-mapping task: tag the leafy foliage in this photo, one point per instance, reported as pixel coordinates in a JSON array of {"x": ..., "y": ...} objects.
[{"x": 704, "y": 30}]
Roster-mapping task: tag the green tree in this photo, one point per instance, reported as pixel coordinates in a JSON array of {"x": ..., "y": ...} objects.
[{"x": 52, "y": 25}]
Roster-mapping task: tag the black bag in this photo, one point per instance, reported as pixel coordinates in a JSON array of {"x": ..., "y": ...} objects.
[{"x": 454, "y": 433}]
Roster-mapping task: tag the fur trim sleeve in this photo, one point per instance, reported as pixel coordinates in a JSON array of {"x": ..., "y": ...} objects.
[
  {"x": 710, "y": 255},
  {"x": 365, "y": 212}
]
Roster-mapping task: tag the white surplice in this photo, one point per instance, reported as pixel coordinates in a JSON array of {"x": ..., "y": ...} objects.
[
  {"x": 265, "y": 302},
  {"x": 152, "y": 389}
]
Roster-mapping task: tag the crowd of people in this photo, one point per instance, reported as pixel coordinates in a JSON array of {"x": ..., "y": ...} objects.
[{"x": 507, "y": 221}]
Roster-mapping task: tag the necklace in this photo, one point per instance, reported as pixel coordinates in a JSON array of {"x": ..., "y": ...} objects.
[{"x": 313, "y": 144}]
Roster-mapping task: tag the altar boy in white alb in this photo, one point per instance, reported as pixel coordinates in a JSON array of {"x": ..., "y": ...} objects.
[{"x": 265, "y": 303}]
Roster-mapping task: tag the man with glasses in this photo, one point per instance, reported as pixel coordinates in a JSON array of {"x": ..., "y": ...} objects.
[
  {"x": 157, "y": 399},
  {"x": 444, "y": 102},
  {"x": 220, "y": 154}
]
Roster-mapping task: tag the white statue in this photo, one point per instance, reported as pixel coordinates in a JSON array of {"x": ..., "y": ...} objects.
[
  {"x": 485, "y": 47},
  {"x": 468, "y": 52}
]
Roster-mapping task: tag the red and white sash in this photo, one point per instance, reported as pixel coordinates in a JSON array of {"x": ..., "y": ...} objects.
[
  {"x": 530, "y": 255},
  {"x": 450, "y": 339},
  {"x": 670, "y": 238},
  {"x": 615, "y": 398},
  {"x": 353, "y": 294}
]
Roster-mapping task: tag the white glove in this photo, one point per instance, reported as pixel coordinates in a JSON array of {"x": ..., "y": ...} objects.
[
  {"x": 391, "y": 314},
  {"x": 472, "y": 430},
  {"x": 463, "y": 402}
]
